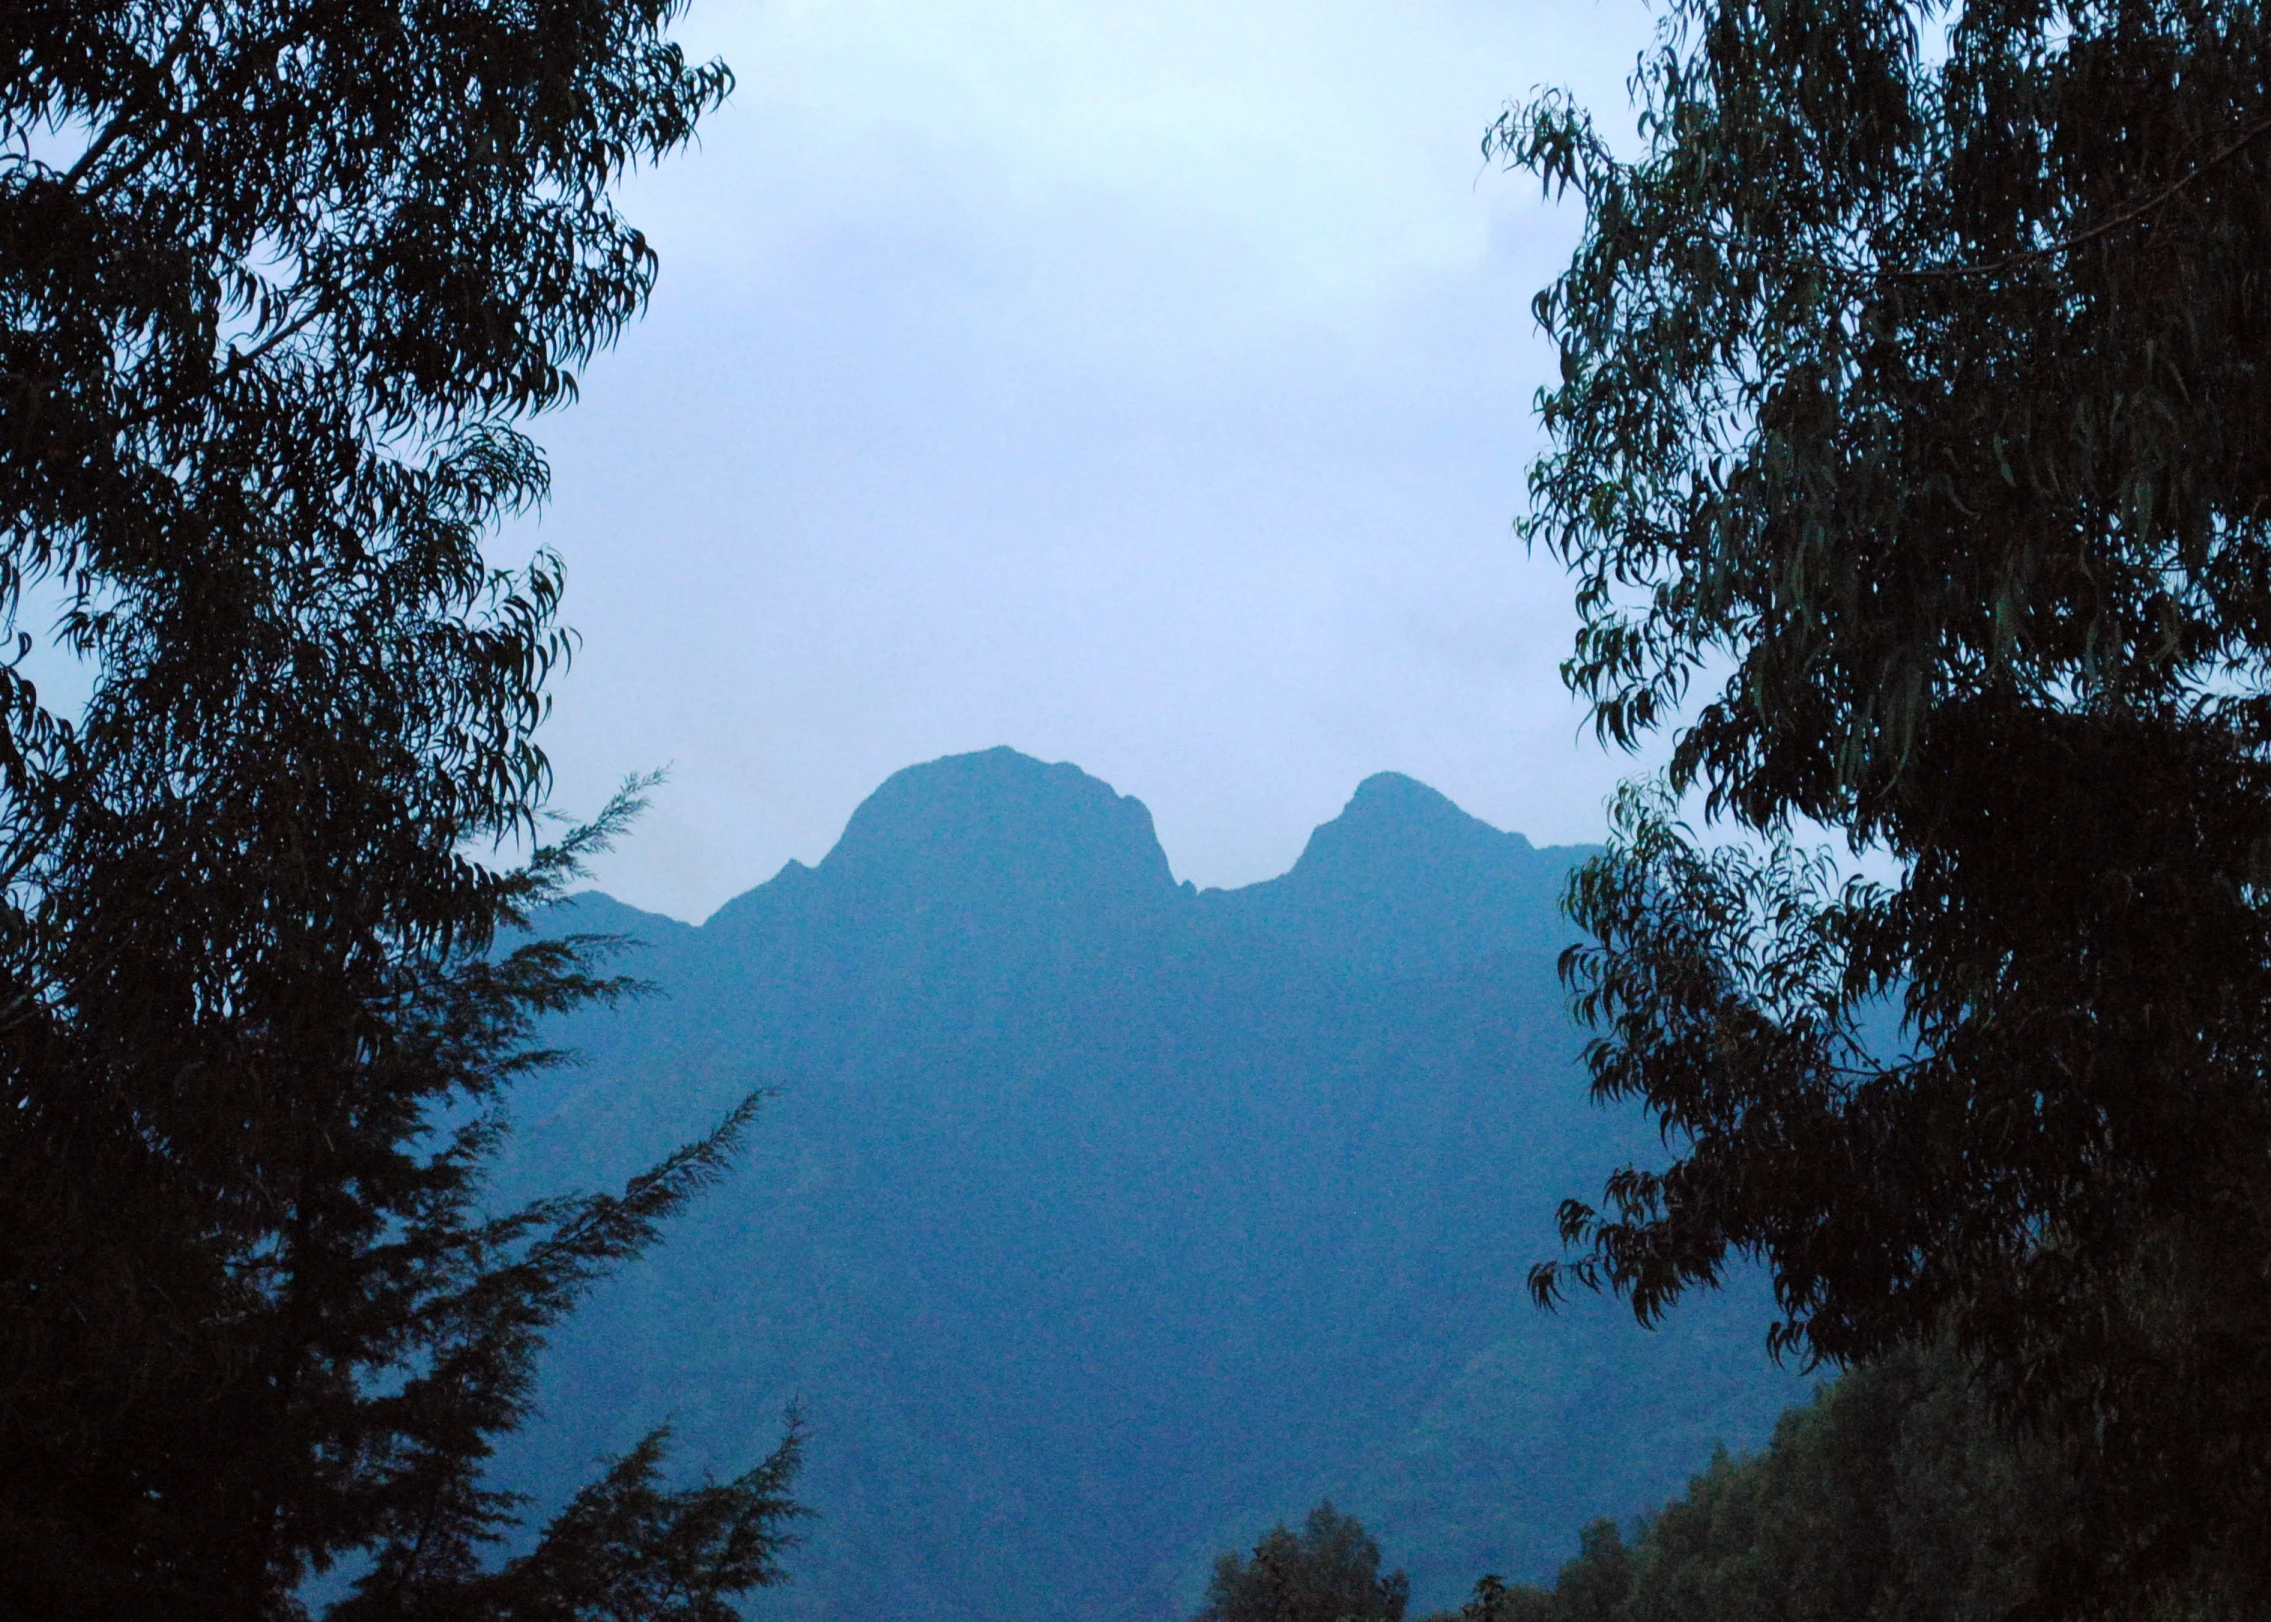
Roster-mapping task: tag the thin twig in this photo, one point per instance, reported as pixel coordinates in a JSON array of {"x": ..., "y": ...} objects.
[
  {"x": 238, "y": 362},
  {"x": 125, "y": 118},
  {"x": 2136, "y": 211}
]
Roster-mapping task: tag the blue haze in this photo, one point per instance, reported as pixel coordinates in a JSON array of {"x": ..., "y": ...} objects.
[{"x": 1097, "y": 1221}]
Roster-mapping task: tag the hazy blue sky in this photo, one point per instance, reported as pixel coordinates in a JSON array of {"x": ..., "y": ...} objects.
[{"x": 1141, "y": 385}]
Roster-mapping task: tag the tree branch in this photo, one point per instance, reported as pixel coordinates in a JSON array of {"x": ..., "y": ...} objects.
[
  {"x": 126, "y": 116},
  {"x": 2136, "y": 211}
]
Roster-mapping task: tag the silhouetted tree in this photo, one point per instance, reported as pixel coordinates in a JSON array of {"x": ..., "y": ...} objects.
[
  {"x": 1915, "y": 393},
  {"x": 1330, "y": 1572},
  {"x": 277, "y": 278},
  {"x": 1890, "y": 1495},
  {"x": 1495, "y": 1601}
]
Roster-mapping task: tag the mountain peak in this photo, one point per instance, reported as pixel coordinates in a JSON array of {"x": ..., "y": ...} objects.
[
  {"x": 999, "y": 825},
  {"x": 1403, "y": 883},
  {"x": 1395, "y": 829}
]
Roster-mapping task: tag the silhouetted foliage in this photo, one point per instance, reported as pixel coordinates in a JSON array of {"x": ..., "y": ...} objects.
[
  {"x": 1494, "y": 1601},
  {"x": 625, "y": 1547},
  {"x": 1330, "y": 1572},
  {"x": 1922, "y": 392},
  {"x": 277, "y": 277},
  {"x": 1892, "y": 1496}
]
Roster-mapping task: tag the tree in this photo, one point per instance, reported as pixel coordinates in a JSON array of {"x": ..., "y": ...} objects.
[
  {"x": 1890, "y": 1495},
  {"x": 1914, "y": 420},
  {"x": 277, "y": 280},
  {"x": 1329, "y": 1573},
  {"x": 1494, "y": 1601}
]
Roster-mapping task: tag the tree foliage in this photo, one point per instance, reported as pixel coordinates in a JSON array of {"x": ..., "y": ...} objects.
[
  {"x": 1914, "y": 402},
  {"x": 1328, "y": 1572},
  {"x": 278, "y": 278},
  {"x": 1891, "y": 1496}
]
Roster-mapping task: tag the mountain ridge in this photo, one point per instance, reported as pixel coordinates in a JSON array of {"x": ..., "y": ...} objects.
[
  {"x": 1099, "y": 1221},
  {"x": 998, "y": 831}
]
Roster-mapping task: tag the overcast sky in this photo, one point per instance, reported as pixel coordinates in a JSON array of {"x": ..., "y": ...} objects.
[{"x": 1145, "y": 385}]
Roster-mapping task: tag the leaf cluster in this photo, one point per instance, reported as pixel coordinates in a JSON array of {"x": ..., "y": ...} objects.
[{"x": 1916, "y": 388}]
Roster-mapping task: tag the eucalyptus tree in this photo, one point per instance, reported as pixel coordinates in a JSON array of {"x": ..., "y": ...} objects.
[
  {"x": 1911, "y": 450},
  {"x": 280, "y": 281}
]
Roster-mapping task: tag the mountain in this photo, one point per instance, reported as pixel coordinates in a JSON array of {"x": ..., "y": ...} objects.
[{"x": 1096, "y": 1222}]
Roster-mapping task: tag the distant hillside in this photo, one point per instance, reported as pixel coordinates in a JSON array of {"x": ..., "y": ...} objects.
[{"x": 1098, "y": 1222}]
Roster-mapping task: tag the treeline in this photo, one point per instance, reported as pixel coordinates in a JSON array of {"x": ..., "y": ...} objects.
[{"x": 1894, "y": 1496}]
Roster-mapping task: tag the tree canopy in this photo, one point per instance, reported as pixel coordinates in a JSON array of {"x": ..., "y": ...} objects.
[
  {"x": 1327, "y": 1572},
  {"x": 278, "y": 279},
  {"x": 1912, "y": 453},
  {"x": 1891, "y": 1495}
]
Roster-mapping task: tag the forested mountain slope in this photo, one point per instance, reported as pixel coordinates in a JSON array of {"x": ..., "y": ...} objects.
[{"x": 1097, "y": 1222}]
